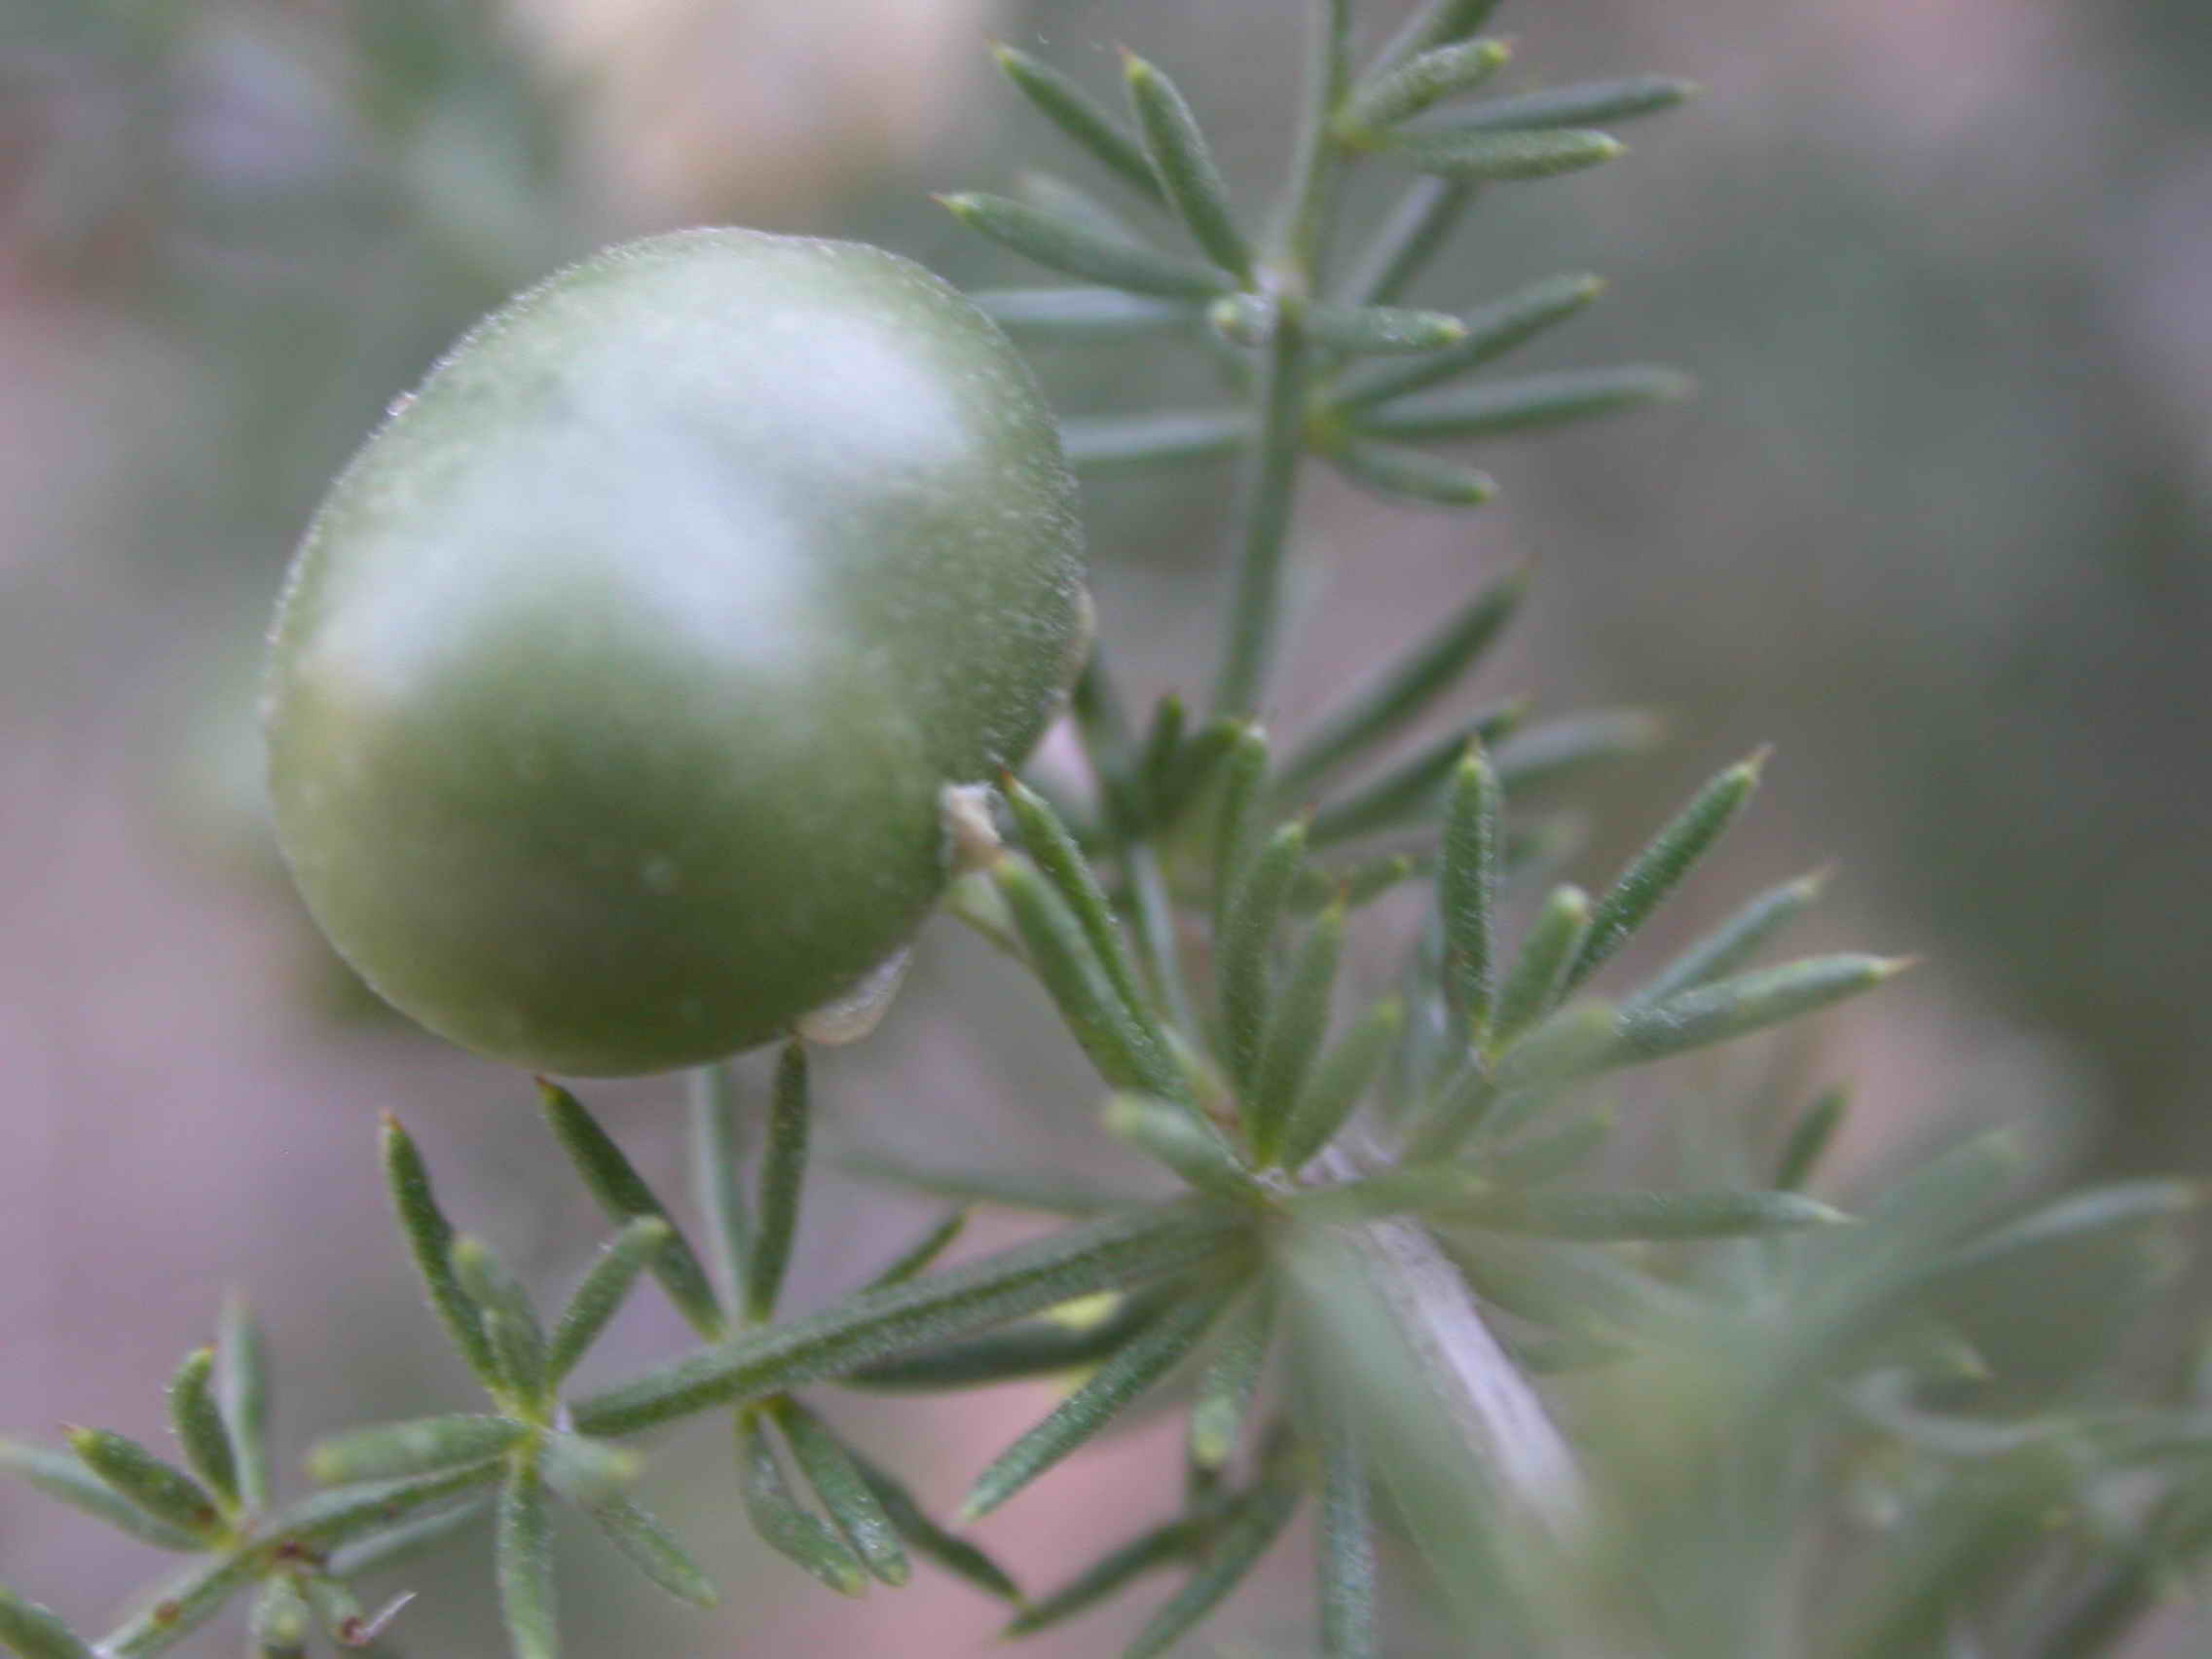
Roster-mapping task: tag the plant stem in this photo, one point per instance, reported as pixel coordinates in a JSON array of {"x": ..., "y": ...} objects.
[
  {"x": 1255, "y": 617},
  {"x": 1492, "y": 1404}
]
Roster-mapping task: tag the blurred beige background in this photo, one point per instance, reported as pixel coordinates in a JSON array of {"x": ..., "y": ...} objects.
[{"x": 1937, "y": 528}]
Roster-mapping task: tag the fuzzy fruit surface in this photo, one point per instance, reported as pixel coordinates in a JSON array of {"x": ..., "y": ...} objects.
[{"x": 613, "y": 686}]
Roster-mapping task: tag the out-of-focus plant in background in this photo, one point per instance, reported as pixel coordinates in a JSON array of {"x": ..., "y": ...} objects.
[{"x": 1938, "y": 527}]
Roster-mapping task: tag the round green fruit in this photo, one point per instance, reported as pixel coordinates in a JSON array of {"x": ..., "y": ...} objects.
[{"x": 615, "y": 686}]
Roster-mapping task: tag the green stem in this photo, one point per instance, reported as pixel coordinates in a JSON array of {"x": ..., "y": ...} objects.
[{"x": 1254, "y": 619}]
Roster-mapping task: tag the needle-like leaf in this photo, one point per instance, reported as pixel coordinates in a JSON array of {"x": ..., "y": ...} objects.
[
  {"x": 1400, "y": 693},
  {"x": 524, "y": 1556},
  {"x": 1339, "y": 1081},
  {"x": 1246, "y": 947},
  {"x": 918, "y": 1256},
  {"x": 1231, "y": 1378},
  {"x": 1660, "y": 867},
  {"x": 1163, "y": 1546},
  {"x": 1055, "y": 854},
  {"x": 1107, "y": 443},
  {"x": 429, "y": 1241},
  {"x": 345, "y": 1513},
  {"x": 1298, "y": 1025},
  {"x": 1526, "y": 404},
  {"x": 510, "y": 1324},
  {"x": 199, "y": 1425},
  {"x": 391, "y": 1451},
  {"x": 1082, "y": 118},
  {"x": 1127, "y": 1052},
  {"x": 1808, "y": 1140},
  {"x": 1420, "y": 82},
  {"x": 35, "y": 1631},
  {"x": 595, "y": 1302},
  {"x": 783, "y": 1179},
  {"x": 180, "y": 1608},
  {"x": 1748, "y": 1002},
  {"x": 1534, "y": 984},
  {"x": 1491, "y": 331},
  {"x": 1415, "y": 231},
  {"x": 1082, "y": 251},
  {"x": 957, "y": 1556},
  {"x": 1376, "y": 331},
  {"x": 1398, "y": 474},
  {"x": 1416, "y": 784},
  {"x": 717, "y": 1180},
  {"x": 1140, "y": 1364},
  {"x": 624, "y": 1195},
  {"x": 162, "y": 1490},
  {"x": 1584, "y": 103},
  {"x": 870, "y": 1326},
  {"x": 1735, "y": 941},
  {"x": 1081, "y": 316},
  {"x": 842, "y": 1487},
  {"x": 241, "y": 1392},
  {"x": 65, "y": 1478},
  {"x": 1557, "y": 748},
  {"x": 783, "y": 1525},
  {"x": 1237, "y": 824},
  {"x": 1440, "y": 22},
  {"x": 1185, "y": 1141},
  {"x": 1245, "y": 1535},
  {"x": 651, "y": 1548},
  {"x": 1467, "y": 889},
  {"x": 1480, "y": 157},
  {"x": 1033, "y": 1347},
  {"x": 1183, "y": 162}
]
